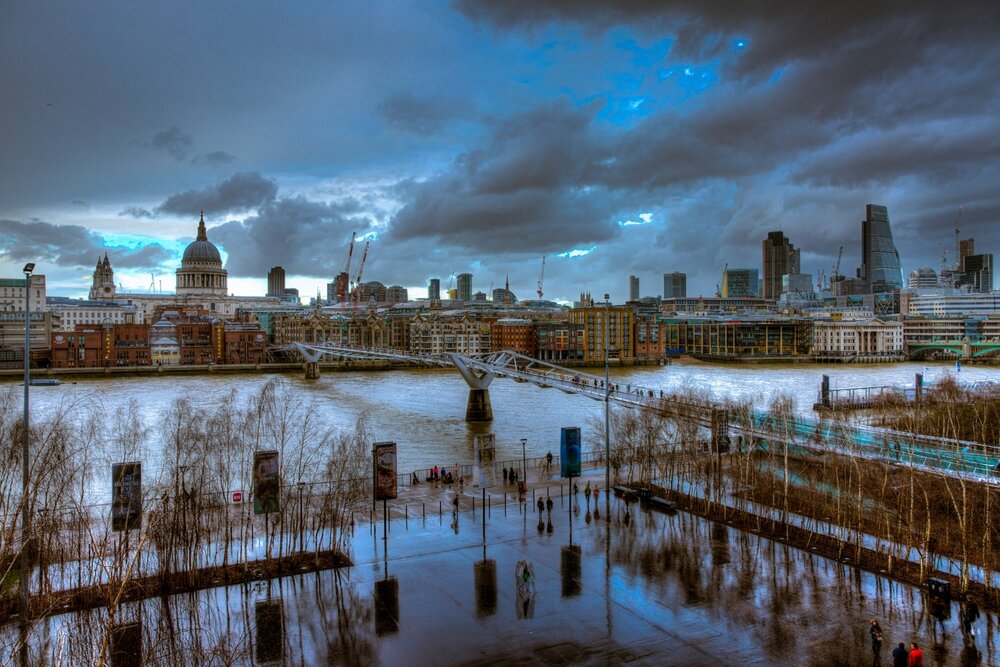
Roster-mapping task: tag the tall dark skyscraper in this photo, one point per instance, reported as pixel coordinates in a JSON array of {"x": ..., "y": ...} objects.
[
  {"x": 276, "y": 281},
  {"x": 779, "y": 257},
  {"x": 675, "y": 285},
  {"x": 880, "y": 259},
  {"x": 464, "y": 285},
  {"x": 434, "y": 289},
  {"x": 977, "y": 272},
  {"x": 633, "y": 288}
]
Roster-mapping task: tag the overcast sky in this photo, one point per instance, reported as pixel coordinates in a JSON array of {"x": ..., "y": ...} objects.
[{"x": 477, "y": 136}]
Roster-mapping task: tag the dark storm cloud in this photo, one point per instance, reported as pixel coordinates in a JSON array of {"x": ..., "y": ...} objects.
[
  {"x": 173, "y": 141},
  {"x": 136, "y": 212},
  {"x": 69, "y": 246},
  {"x": 240, "y": 192},
  {"x": 421, "y": 114},
  {"x": 303, "y": 236},
  {"x": 523, "y": 191},
  {"x": 214, "y": 159}
]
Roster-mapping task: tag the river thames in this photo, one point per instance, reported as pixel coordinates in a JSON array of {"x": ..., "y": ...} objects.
[{"x": 424, "y": 410}]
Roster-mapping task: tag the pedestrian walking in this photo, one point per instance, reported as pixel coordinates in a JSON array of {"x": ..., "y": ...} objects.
[
  {"x": 548, "y": 506},
  {"x": 969, "y": 616},
  {"x": 875, "y": 633},
  {"x": 548, "y": 459},
  {"x": 900, "y": 655},
  {"x": 597, "y": 492},
  {"x": 586, "y": 493},
  {"x": 505, "y": 474},
  {"x": 576, "y": 488},
  {"x": 541, "y": 507},
  {"x": 916, "y": 656}
]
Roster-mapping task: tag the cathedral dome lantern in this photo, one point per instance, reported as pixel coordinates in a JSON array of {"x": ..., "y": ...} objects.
[{"x": 201, "y": 271}]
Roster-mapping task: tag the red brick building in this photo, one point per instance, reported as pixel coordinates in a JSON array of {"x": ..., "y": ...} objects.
[{"x": 514, "y": 334}]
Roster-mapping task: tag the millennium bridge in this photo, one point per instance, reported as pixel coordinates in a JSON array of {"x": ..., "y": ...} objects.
[{"x": 802, "y": 436}]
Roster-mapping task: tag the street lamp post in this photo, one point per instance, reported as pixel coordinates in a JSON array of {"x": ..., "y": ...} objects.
[
  {"x": 524, "y": 464},
  {"x": 607, "y": 411},
  {"x": 25, "y": 514}
]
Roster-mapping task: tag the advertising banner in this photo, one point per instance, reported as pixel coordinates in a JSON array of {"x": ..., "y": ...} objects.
[
  {"x": 385, "y": 470},
  {"x": 126, "y": 496},
  {"x": 485, "y": 456},
  {"x": 266, "y": 482},
  {"x": 270, "y": 619},
  {"x": 570, "y": 452}
]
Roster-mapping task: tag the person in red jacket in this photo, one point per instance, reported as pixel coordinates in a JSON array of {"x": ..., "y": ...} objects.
[{"x": 916, "y": 658}]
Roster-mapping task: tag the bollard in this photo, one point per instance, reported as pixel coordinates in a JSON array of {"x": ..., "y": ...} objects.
[
  {"x": 505, "y": 503},
  {"x": 439, "y": 509},
  {"x": 489, "y": 506},
  {"x": 406, "y": 517},
  {"x": 473, "y": 507}
]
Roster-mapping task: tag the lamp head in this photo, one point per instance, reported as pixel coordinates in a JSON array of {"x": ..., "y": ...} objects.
[
  {"x": 28, "y": 268},
  {"x": 607, "y": 297},
  {"x": 524, "y": 441}
]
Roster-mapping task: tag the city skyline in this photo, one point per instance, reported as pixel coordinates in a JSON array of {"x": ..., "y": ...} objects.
[{"x": 467, "y": 137}]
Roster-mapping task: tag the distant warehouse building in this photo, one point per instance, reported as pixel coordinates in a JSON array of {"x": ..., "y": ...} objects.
[{"x": 862, "y": 341}]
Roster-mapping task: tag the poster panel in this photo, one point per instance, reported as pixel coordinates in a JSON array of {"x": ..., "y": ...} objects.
[
  {"x": 570, "y": 452},
  {"x": 126, "y": 644},
  {"x": 485, "y": 456},
  {"x": 384, "y": 454},
  {"x": 387, "y": 606},
  {"x": 266, "y": 482},
  {"x": 270, "y": 618},
  {"x": 126, "y": 496}
]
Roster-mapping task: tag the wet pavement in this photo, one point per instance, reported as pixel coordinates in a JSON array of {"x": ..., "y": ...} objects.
[{"x": 646, "y": 588}]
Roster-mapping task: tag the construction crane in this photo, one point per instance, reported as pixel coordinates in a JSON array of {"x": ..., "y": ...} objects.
[
  {"x": 342, "y": 284},
  {"x": 361, "y": 269},
  {"x": 836, "y": 267},
  {"x": 718, "y": 292},
  {"x": 541, "y": 277}
]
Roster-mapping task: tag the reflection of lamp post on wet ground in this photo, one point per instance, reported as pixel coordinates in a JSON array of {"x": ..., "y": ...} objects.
[
  {"x": 524, "y": 461},
  {"x": 25, "y": 514},
  {"x": 607, "y": 411}
]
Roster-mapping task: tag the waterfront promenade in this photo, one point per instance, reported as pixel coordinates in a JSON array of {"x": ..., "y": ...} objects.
[{"x": 646, "y": 588}]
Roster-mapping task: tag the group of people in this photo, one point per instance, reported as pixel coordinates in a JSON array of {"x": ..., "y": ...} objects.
[
  {"x": 509, "y": 475},
  {"x": 914, "y": 655},
  {"x": 444, "y": 476},
  {"x": 901, "y": 656}
]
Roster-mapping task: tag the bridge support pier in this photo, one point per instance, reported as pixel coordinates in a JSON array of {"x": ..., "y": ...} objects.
[
  {"x": 479, "y": 408},
  {"x": 312, "y": 370}
]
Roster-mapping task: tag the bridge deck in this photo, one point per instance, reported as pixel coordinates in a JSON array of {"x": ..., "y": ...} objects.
[{"x": 953, "y": 458}]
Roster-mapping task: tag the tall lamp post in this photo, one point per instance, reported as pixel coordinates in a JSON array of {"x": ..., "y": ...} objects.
[
  {"x": 607, "y": 411},
  {"x": 25, "y": 514},
  {"x": 524, "y": 464}
]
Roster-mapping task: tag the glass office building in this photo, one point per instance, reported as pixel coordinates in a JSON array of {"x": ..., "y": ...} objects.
[{"x": 880, "y": 259}]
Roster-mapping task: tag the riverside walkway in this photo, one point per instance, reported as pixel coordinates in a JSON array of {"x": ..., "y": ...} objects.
[{"x": 635, "y": 586}]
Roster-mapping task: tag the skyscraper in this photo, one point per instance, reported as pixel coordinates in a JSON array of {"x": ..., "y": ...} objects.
[
  {"x": 739, "y": 283},
  {"x": 276, "y": 281},
  {"x": 880, "y": 259},
  {"x": 977, "y": 271},
  {"x": 464, "y": 285},
  {"x": 674, "y": 285},
  {"x": 779, "y": 257},
  {"x": 633, "y": 288},
  {"x": 434, "y": 289}
]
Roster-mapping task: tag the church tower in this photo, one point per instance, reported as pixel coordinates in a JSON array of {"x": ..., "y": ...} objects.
[{"x": 103, "y": 286}]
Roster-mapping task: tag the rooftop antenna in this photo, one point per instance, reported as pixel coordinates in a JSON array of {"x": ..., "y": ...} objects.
[{"x": 152, "y": 283}]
